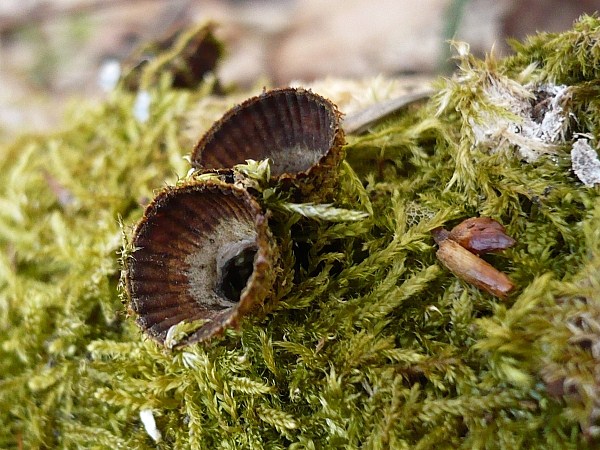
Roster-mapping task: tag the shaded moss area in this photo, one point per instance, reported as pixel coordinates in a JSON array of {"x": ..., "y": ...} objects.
[{"x": 368, "y": 341}]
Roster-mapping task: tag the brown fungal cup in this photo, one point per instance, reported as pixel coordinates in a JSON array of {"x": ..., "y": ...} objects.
[
  {"x": 187, "y": 55},
  {"x": 298, "y": 130},
  {"x": 201, "y": 251}
]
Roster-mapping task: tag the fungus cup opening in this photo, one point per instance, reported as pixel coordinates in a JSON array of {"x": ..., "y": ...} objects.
[
  {"x": 202, "y": 251},
  {"x": 234, "y": 270}
]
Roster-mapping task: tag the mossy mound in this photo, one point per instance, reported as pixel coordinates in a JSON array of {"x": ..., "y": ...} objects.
[{"x": 371, "y": 342}]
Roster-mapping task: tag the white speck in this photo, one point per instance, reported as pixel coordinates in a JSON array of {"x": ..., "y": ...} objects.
[
  {"x": 367, "y": 387},
  {"x": 190, "y": 361},
  {"x": 141, "y": 109},
  {"x": 585, "y": 163},
  {"x": 462, "y": 48},
  {"x": 109, "y": 74},
  {"x": 147, "y": 419},
  {"x": 172, "y": 337}
]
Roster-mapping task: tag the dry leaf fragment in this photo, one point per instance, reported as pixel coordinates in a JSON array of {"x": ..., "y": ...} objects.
[{"x": 481, "y": 235}]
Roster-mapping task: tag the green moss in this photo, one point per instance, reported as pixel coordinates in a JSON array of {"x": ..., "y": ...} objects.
[
  {"x": 371, "y": 342},
  {"x": 571, "y": 57}
]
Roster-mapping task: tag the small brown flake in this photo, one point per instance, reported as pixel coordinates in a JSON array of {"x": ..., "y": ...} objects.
[{"x": 481, "y": 235}]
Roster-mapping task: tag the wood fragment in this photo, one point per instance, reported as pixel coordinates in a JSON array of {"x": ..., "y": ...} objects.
[{"x": 474, "y": 270}]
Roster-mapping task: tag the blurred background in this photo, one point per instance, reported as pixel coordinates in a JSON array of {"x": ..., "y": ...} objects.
[{"x": 53, "y": 50}]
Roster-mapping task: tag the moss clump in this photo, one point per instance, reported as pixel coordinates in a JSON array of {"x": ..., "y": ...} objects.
[{"x": 371, "y": 342}]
